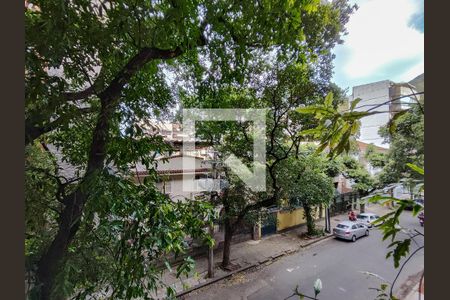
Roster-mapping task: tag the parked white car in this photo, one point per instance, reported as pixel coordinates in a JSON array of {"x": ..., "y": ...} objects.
[{"x": 367, "y": 219}]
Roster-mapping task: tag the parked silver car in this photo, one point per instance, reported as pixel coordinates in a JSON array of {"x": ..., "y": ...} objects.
[
  {"x": 367, "y": 218},
  {"x": 349, "y": 230}
]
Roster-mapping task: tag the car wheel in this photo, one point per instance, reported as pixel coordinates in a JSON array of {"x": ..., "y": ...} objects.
[
  {"x": 367, "y": 232},
  {"x": 354, "y": 238}
]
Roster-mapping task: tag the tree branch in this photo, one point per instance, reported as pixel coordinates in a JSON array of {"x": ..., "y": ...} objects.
[
  {"x": 401, "y": 268},
  {"x": 33, "y": 131}
]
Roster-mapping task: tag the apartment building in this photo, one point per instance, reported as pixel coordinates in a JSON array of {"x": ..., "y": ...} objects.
[{"x": 387, "y": 98}]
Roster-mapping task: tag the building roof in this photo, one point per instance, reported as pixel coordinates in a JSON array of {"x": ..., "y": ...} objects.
[
  {"x": 179, "y": 155},
  {"x": 419, "y": 82},
  {"x": 176, "y": 171},
  {"x": 363, "y": 147}
]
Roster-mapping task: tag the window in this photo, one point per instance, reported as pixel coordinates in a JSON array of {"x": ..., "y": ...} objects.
[
  {"x": 342, "y": 226},
  {"x": 354, "y": 227}
]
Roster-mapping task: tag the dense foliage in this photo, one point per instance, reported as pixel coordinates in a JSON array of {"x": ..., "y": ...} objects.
[
  {"x": 375, "y": 158},
  {"x": 279, "y": 87},
  {"x": 128, "y": 227},
  {"x": 363, "y": 182},
  {"x": 305, "y": 183},
  {"x": 93, "y": 71},
  {"x": 406, "y": 145}
]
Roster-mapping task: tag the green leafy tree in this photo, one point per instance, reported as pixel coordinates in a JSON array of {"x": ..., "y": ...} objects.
[
  {"x": 94, "y": 69},
  {"x": 406, "y": 137},
  {"x": 118, "y": 233},
  {"x": 41, "y": 187},
  {"x": 375, "y": 158},
  {"x": 305, "y": 183},
  {"x": 279, "y": 79},
  {"x": 364, "y": 183},
  {"x": 284, "y": 88}
]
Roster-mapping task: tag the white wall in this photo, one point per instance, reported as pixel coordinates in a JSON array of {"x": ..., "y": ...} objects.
[
  {"x": 372, "y": 94},
  {"x": 174, "y": 182},
  {"x": 176, "y": 163}
]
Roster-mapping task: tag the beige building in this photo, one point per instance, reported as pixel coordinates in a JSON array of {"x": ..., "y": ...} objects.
[
  {"x": 172, "y": 175},
  {"x": 169, "y": 167}
]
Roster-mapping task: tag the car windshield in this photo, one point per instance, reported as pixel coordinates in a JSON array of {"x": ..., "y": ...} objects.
[
  {"x": 362, "y": 217},
  {"x": 342, "y": 226}
]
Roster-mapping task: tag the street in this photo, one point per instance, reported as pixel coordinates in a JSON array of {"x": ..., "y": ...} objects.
[{"x": 339, "y": 264}]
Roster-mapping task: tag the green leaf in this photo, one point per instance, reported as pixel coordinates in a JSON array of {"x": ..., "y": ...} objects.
[
  {"x": 401, "y": 250},
  {"x": 168, "y": 266},
  {"x": 354, "y": 103},
  {"x": 312, "y": 131},
  {"x": 416, "y": 168},
  {"x": 314, "y": 109},
  {"x": 392, "y": 125},
  {"x": 329, "y": 100}
]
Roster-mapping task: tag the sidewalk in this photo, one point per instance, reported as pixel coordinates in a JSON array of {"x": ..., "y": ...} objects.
[
  {"x": 248, "y": 253},
  {"x": 411, "y": 288},
  {"x": 414, "y": 295}
]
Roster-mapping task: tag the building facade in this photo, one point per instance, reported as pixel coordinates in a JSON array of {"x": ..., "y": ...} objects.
[{"x": 387, "y": 98}]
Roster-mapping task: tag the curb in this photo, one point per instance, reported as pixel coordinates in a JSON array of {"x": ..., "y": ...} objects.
[
  {"x": 318, "y": 240},
  {"x": 259, "y": 263},
  {"x": 214, "y": 280}
]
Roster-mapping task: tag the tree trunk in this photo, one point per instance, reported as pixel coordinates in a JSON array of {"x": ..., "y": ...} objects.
[
  {"x": 69, "y": 220},
  {"x": 309, "y": 219},
  {"x": 227, "y": 243},
  {"x": 362, "y": 207},
  {"x": 50, "y": 263}
]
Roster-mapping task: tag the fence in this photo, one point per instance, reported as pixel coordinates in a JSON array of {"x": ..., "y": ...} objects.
[{"x": 344, "y": 202}]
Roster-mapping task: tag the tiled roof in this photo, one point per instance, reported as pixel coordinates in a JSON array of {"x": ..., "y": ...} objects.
[
  {"x": 363, "y": 146},
  {"x": 177, "y": 171}
]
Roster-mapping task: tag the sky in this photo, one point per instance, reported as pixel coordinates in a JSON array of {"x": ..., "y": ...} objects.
[{"x": 385, "y": 41}]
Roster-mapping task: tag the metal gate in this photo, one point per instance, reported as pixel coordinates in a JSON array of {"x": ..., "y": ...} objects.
[
  {"x": 343, "y": 203},
  {"x": 268, "y": 229}
]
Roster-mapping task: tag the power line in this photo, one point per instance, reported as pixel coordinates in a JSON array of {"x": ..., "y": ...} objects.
[{"x": 386, "y": 102}]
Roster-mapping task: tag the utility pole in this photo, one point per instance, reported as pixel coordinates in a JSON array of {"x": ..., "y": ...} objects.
[
  {"x": 327, "y": 220},
  {"x": 215, "y": 176}
]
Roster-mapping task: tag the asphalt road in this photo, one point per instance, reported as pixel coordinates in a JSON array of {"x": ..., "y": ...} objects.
[{"x": 339, "y": 264}]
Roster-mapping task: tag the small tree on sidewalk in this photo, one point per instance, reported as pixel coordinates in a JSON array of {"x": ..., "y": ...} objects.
[
  {"x": 236, "y": 199},
  {"x": 305, "y": 182}
]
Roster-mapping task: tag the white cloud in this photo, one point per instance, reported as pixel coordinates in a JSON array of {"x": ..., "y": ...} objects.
[
  {"x": 410, "y": 73},
  {"x": 379, "y": 35}
]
